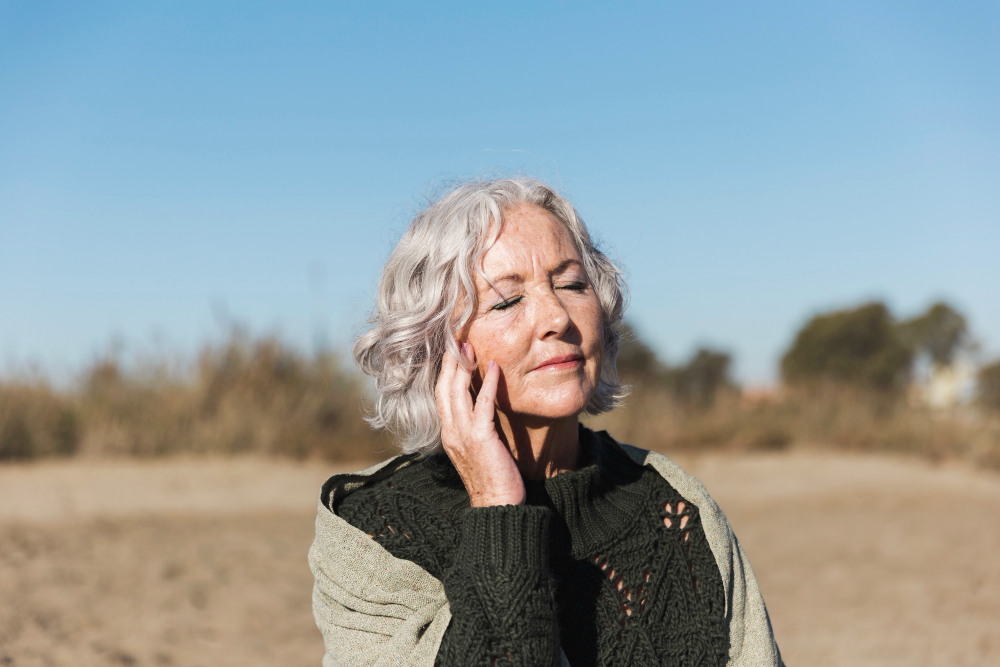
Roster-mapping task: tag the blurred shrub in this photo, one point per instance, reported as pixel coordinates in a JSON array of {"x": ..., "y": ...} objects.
[
  {"x": 637, "y": 361},
  {"x": 938, "y": 333},
  {"x": 859, "y": 347},
  {"x": 694, "y": 384},
  {"x": 242, "y": 395},
  {"x": 831, "y": 416},
  {"x": 34, "y": 421},
  {"x": 989, "y": 386},
  {"x": 843, "y": 405},
  {"x": 700, "y": 380}
]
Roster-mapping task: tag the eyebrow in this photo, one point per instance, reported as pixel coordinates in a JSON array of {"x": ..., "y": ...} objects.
[{"x": 518, "y": 278}]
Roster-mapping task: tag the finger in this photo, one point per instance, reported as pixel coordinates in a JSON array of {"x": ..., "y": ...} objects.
[
  {"x": 461, "y": 399},
  {"x": 442, "y": 389},
  {"x": 484, "y": 409},
  {"x": 448, "y": 361}
]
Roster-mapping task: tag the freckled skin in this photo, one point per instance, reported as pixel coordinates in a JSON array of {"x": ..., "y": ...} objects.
[
  {"x": 558, "y": 314},
  {"x": 537, "y": 340}
]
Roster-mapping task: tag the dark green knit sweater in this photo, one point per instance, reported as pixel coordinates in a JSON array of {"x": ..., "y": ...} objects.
[{"x": 607, "y": 561}]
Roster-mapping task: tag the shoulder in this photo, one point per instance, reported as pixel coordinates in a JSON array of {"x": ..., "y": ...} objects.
[
  {"x": 687, "y": 485},
  {"x": 750, "y": 635},
  {"x": 341, "y": 485},
  {"x": 432, "y": 477},
  {"x": 346, "y": 522},
  {"x": 714, "y": 523},
  {"x": 340, "y": 546},
  {"x": 408, "y": 506}
]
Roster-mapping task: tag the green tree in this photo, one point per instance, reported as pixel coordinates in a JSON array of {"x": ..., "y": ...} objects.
[
  {"x": 939, "y": 333},
  {"x": 858, "y": 346}
]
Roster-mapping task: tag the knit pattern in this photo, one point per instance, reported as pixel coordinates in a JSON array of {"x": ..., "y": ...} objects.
[{"x": 608, "y": 561}]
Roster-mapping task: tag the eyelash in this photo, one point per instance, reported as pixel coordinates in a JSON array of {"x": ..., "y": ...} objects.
[
  {"x": 577, "y": 286},
  {"x": 504, "y": 305}
]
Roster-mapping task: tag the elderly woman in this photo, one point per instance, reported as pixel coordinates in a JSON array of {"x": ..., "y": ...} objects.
[{"x": 507, "y": 533}]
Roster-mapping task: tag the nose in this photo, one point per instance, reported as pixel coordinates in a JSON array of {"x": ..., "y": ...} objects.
[{"x": 552, "y": 320}]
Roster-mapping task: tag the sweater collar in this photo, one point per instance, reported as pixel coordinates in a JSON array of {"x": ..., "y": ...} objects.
[{"x": 598, "y": 500}]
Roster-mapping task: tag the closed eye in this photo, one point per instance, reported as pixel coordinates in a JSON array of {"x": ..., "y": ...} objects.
[
  {"x": 577, "y": 286},
  {"x": 504, "y": 305}
]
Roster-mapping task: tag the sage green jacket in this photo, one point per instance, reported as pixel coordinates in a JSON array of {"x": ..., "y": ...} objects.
[{"x": 376, "y": 609}]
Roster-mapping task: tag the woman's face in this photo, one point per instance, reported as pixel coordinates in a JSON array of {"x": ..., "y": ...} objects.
[{"x": 544, "y": 327}]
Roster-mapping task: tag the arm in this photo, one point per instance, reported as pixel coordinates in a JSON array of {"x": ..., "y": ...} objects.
[
  {"x": 501, "y": 593},
  {"x": 376, "y": 606},
  {"x": 500, "y": 590}
]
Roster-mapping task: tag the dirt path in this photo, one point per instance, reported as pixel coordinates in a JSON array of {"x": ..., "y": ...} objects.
[
  {"x": 863, "y": 561},
  {"x": 869, "y": 561}
]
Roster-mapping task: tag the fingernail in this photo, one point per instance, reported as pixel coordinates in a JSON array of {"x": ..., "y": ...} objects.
[{"x": 491, "y": 365}]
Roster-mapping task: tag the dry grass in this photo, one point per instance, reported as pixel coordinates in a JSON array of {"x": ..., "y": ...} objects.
[
  {"x": 822, "y": 417},
  {"x": 240, "y": 396},
  {"x": 259, "y": 396}
]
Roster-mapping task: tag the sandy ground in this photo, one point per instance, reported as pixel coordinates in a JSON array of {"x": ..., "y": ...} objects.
[{"x": 862, "y": 560}]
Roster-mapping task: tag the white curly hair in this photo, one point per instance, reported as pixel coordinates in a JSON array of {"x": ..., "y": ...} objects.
[{"x": 427, "y": 294}]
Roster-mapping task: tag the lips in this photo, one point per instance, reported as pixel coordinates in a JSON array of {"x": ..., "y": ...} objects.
[{"x": 564, "y": 361}]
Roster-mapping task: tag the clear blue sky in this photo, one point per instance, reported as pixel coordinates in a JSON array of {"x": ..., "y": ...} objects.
[{"x": 165, "y": 166}]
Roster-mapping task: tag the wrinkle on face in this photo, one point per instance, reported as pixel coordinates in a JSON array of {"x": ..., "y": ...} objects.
[{"x": 535, "y": 262}]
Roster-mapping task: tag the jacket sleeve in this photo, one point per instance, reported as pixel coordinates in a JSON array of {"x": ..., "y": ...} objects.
[
  {"x": 501, "y": 592},
  {"x": 751, "y": 639}
]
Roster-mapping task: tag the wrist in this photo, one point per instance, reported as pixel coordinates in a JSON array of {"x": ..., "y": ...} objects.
[
  {"x": 498, "y": 541},
  {"x": 494, "y": 499}
]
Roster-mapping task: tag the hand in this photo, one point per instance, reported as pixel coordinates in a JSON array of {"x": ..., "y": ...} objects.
[{"x": 469, "y": 436}]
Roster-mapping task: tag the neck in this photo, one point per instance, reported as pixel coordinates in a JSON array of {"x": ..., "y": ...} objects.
[{"x": 541, "y": 448}]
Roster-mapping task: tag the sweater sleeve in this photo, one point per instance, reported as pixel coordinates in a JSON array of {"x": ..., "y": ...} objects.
[{"x": 501, "y": 591}]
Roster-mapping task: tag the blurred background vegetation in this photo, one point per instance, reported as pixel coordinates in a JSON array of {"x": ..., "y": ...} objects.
[
  {"x": 854, "y": 379},
  {"x": 242, "y": 395}
]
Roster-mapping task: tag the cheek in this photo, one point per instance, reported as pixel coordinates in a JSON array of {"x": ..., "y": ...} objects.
[
  {"x": 594, "y": 341},
  {"x": 503, "y": 338},
  {"x": 591, "y": 323},
  {"x": 498, "y": 340}
]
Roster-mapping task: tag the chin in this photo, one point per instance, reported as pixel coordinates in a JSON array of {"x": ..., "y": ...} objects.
[{"x": 558, "y": 403}]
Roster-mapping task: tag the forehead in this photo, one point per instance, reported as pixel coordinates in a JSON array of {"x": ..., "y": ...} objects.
[{"x": 533, "y": 241}]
